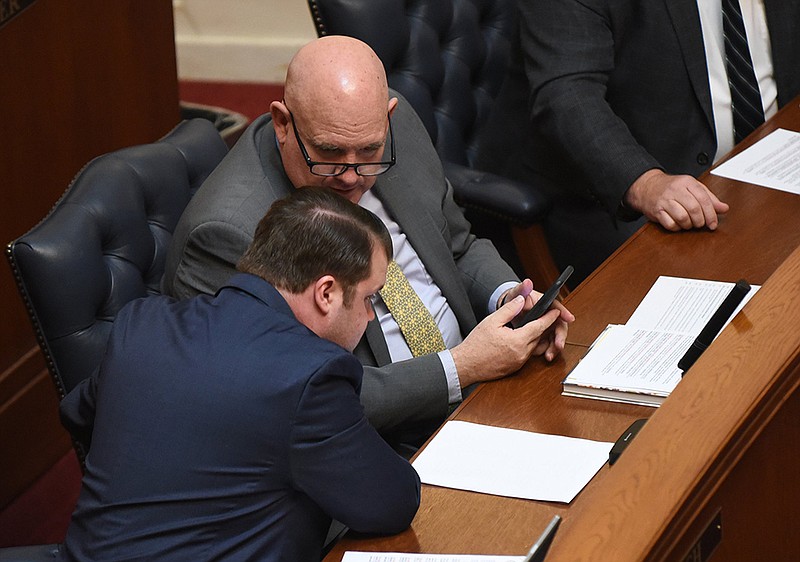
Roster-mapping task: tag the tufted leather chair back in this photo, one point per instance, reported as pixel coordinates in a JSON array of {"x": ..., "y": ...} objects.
[
  {"x": 447, "y": 57},
  {"x": 104, "y": 244}
]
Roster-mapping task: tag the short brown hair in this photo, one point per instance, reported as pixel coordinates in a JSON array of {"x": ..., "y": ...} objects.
[{"x": 314, "y": 232}]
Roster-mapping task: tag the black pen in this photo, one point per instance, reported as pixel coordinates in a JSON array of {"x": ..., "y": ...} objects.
[{"x": 715, "y": 324}]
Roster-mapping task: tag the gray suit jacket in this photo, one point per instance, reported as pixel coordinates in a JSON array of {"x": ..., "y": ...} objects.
[
  {"x": 404, "y": 401},
  {"x": 618, "y": 87}
]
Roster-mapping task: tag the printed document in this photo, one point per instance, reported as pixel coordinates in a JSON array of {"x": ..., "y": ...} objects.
[
  {"x": 353, "y": 556},
  {"x": 774, "y": 162},
  {"x": 510, "y": 462},
  {"x": 638, "y": 362}
]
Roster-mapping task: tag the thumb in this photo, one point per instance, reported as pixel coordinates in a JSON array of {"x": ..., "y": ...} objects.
[{"x": 510, "y": 309}]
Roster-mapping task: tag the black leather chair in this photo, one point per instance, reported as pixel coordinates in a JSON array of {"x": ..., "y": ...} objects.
[
  {"x": 102, "y": 245},
  {"x": 448, "y": 58}
]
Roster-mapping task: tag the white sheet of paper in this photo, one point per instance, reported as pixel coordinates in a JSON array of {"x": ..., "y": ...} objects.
[
  {"x": 681, "y": 305},
  {"x": 510, "y": 462},
  {"x": 632, "y": 359},
  {"x": 353, "y": 556},
  {"x": 773, "y": 162}
]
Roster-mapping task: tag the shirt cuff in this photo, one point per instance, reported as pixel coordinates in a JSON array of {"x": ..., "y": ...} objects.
[
  {"x": 508, "y": 285},
  {"x": 453, "y": 385}
]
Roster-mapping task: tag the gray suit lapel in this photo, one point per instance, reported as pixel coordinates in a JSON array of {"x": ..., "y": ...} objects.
[
  {"x": 686, "y": 21},
  {"x": 377, "y": 344},
  {"x": 430, "y": 245}
]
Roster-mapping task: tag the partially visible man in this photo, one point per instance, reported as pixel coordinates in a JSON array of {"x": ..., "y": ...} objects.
[
  {"x": 629, "y": 101},
  {"x": 229, "y": 427},
  {"x": 331, "y": 129}
]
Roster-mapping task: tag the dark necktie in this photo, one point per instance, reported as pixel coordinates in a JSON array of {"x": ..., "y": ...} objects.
[
  {"x": 745, "y": 95},
  {"x": 416, "y": 323}
]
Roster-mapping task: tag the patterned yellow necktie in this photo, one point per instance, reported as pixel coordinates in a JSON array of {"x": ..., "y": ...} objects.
[{"x": 416, "y": 323}]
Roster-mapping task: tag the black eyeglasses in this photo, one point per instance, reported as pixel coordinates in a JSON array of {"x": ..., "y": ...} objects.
[{"x": 330, "y": 169}]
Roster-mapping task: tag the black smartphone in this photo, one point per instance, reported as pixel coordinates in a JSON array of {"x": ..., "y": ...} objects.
[{"x": 544, "y": 303}]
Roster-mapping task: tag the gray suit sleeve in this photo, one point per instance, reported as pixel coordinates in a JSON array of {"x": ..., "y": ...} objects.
[
  {"x": 481, "y": 268},
  {"x": 209, "y": 258},
  {"x": 406, "y": 394}
]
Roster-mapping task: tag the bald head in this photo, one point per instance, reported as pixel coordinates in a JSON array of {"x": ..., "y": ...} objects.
[
  {"x": 338, "y": 75},
  {"x": 336, "y": 103}
]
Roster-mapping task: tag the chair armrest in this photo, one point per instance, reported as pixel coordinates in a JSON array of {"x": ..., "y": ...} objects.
[
  {"x": 38, "y": 553},
  {"x": 512, "y": 201}
]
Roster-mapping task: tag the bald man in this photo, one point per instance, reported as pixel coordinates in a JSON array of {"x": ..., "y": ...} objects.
[{"x": 332, "y": 129}]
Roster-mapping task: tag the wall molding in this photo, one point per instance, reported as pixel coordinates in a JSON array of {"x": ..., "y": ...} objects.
[{"x": 230, "y": 59}]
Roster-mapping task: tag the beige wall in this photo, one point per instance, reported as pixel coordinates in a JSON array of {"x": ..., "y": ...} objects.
[{"x": 239, "y": 40}]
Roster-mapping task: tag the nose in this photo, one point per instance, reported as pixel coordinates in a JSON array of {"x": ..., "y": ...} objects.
[{"x": 349, "y": 177}]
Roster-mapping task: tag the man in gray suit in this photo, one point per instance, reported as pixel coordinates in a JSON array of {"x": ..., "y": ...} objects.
[
  {"x": 627, "y": 103},
  {"x": 331, "y": 129}
]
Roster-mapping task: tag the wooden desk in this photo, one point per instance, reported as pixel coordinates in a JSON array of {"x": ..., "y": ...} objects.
[
  {"x": 724, "y": 442},
  {"x": 752, "y": 240}
]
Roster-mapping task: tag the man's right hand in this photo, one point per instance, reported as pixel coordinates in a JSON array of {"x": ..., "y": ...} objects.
[
  {"x": 675, "y": 202},
  {"x": 492, "y": 350}
]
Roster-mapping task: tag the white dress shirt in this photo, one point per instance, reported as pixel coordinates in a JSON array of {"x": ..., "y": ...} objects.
[
  {"x": 755, "y": 24},
  {"x": 431, "y": 296}
]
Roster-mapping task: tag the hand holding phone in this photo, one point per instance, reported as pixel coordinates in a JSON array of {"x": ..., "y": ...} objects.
[{"x": 544, "y": 303}]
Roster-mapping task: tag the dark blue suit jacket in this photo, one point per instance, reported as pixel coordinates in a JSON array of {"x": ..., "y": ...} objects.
[{"x": 225, "y": 429}]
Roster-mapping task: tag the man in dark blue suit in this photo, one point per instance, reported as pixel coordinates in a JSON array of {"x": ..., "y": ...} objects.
[{"x": 230, "y": 427}]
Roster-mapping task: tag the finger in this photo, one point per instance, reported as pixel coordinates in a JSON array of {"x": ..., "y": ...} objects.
[
  {"x": 551, "y": 352},
  {"x": 665, "y": 219},
  {"x": 523, "y": 288},
  {"x": 535, "y": 328},
  {"x": 541, "y": 347},
  {"x": 510, "y": 309},
  {"x": 561, "y": 329},
  {"x": 720, "y": 207},
  {"x": 700, "y": 215},
  {"x": 566, "y": 315},
  {"x": 706, "y": 200},
  {"x": 684, "y": 208}
]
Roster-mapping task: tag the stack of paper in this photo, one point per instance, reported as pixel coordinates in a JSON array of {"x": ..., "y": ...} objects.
[{"x": 637, "y": 362}]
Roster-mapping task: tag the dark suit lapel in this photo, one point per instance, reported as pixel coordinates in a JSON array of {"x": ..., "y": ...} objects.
[
  {"x": 783, "y": 20},
  {"x": 686, "y": 21},
  {"x": 376, "y": 343}
]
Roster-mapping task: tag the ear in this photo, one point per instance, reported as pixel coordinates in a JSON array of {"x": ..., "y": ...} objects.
[
  {"x": 392, "y": 105},
  {"x": 327, "y": 294},
  {"x": 281, "y": 120}
]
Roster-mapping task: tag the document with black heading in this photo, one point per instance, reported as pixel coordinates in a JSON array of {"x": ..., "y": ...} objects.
[{"x": 637, "y": 362}]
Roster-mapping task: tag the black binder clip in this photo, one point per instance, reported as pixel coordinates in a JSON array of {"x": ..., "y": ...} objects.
[{"x": 625, "y": 440}]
